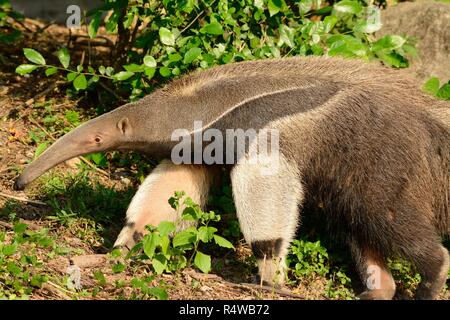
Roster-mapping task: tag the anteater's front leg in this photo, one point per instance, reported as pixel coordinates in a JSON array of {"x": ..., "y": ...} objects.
[
  {"x": 267, "y": 206},
  {"x": 150, "y": 204}
]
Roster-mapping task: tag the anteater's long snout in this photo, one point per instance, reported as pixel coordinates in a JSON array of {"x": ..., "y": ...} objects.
[
  {"x": 63, "y": 149},
  {"x": 72, "y": 145},
  {"x": 19, "y": 184},
  {"x": 96, "y": 135}
]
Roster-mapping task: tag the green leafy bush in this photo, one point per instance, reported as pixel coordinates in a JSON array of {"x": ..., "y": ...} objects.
[
  {"x": 20, "y": 269},
  {"x": 308, "y": 260},
  {"x": 169, "y": 250},
  {"x": 159, "y": 40}
]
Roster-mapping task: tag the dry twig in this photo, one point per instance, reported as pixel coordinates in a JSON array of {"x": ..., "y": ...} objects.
[{"x": 37, "y": 202}]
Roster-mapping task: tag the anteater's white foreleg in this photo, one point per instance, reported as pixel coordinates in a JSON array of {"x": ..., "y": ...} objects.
[
  {"x": 267, "y": 206},
  {"x": 150, "y": 203}
]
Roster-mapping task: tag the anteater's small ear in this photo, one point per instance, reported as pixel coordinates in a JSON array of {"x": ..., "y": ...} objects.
[{"x": 124, "y": 126}]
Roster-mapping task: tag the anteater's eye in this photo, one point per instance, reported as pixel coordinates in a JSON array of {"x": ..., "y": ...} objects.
[{"x": 98, "y": 140}]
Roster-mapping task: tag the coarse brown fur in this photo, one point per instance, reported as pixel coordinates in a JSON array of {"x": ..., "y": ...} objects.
[{"x": 356, "y": 137}]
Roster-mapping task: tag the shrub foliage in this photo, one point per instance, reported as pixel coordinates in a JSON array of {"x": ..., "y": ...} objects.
[{"x": 159, "y": 40}]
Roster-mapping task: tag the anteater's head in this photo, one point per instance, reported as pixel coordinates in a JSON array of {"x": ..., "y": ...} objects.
[{"x": 109, "y": 131}]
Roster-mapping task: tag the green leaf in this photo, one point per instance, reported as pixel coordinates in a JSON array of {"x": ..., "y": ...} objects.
[
  {"x": 223, "y": 242},
  {"x": 94, "y": 25},
  {"x": 20, "y": 228},
  {"x": 133, "y": 67},
  {"x": 214, "y": 28},
  {"x": 202, "y": 261},
  {"x": 329, "y": 22},
  {"x": 51, "y": 71},
  {"x": 14, "y": 268},
  {"x": 99, "y": 158},
  {"x": 64, "y": 57},
  {"x": 73, "y": 117},
  {"x": 10, "y": 249},
  {"x": 166, "y": 36},
  {"x": 116, "y": 253},
  {"x": 346, "y": 46},
  {"x": 149, "y": 72},
  {"x": 274, "y": 6},
  {"x": 286, "y": 36},
  {"x": 393, "y": 59},
  {"x": 100, "y": 277},
  {"x": 388, "y": 43},
  {"x": 40, "y": 149},
  {"x": 431, "y": 86},
  {"x": 444, "y": 92},
  {"x": 34, "y": 56},
  {"x": 93, "y": 79},
  {"x": 157, "y": 292},
  {"x": 109, "y": 71},
  {"x": 80, "y": 82},
  {"x": 123, "y": 75},
  {"x": 26, "y": 68},
  {"x": 118, "y": 267},
  {"x": 259, "y": 4},
  {"x": 71, "y": 76},
  {"x": 164, "y": 243},
  {"x": 348, "y": 6},
  {"x": 149, "y": 61},
  {"x": 165, "y": 72},
  {"x": 113, "y": 20},
  {"x": 159, "y": 263},
  {"x": 183, "y": 237},
  {"x": 137, "y": 283},
  {"x": 191, "y": 213},
  {"x": 205, "y": 234},
  {"x": 38, "y": 280},
  {"x": 305, "y": 6},
  {"x": 150, "y": 242},
  {"x": 166, "y": 227},
  {"x": 175, "y": 57}
]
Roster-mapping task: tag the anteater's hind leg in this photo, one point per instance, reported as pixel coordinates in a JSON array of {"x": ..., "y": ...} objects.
[
  {"x": 150, "y": 203},
  {"x": 374, "y": 273},
  {"x": 433, "y": 264},
  {"x": 267, "y": 208}
]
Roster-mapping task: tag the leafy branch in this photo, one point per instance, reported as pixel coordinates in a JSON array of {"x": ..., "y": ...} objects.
[
  {"x": 167, "y": 249},
  {"x": 163, "y": 40}
]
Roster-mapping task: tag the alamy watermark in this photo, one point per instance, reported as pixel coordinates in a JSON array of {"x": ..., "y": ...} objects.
[
  {"x": 373, "y": 280},
  {"x": 74, "y": 277},
  {"x": 73, "y": 21},
  {"x": 230, "y": 146}
]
